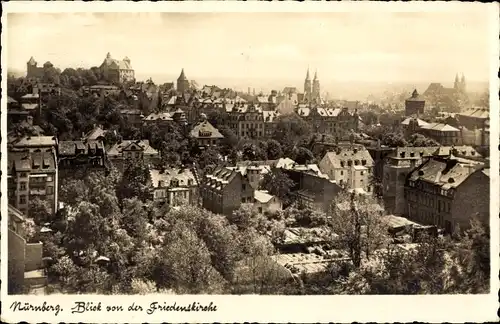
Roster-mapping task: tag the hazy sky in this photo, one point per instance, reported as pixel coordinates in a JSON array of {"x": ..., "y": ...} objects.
[{"x": 397, "y": 47}]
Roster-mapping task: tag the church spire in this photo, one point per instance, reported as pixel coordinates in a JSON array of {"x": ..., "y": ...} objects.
[
  {"x": 316, "y": 75},
  {"x": 182, "y": 76},
  {"x": 307, "y": 75}
]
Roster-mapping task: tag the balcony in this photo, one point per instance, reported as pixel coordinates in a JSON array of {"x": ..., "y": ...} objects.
[{"x": 38, "y": 192}]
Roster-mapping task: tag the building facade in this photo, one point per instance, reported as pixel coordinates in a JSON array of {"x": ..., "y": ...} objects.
[
  {"x": 128, "y": 151},
  {"x": 225, "y": 190},
  {"x": 175, "y": 186},
  {"x": 81, "y": 156},
  {"x": 32, "y": 174},
  {"x": 206, "y": 135},
  {"x": 414, "y": 105},
  {"x": 117, "y": 71},
  {"x": 337, "y": 122},
  {"x": 350, "y": 167}
]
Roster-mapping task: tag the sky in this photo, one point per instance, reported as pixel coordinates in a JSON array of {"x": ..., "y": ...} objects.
[{"x": 261, "y": 47}]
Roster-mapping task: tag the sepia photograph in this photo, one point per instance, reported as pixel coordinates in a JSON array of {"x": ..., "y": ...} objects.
[{"x": 247, "y": 153}]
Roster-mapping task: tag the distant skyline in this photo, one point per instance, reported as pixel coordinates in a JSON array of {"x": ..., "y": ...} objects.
[{"x": 267, "y": 48}]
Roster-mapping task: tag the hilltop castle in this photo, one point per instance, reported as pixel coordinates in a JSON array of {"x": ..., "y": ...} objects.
[{"x": 117, "y": 71}]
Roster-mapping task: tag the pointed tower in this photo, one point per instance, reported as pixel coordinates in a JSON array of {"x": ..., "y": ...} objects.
[
  {"x": 182, "y": 83},
  {"x": 307, "y": 87},
  {"x": 463, "y": 86},
  {"x": 456, "y": 85},
  {"x": 31, "y": 68},
  {"x": 316, "y": 88}
]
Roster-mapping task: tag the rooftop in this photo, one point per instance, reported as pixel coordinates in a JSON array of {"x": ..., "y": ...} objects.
[
  {"x": 446, "y": 173},
  {"x": 205, "y": 130},
  {"x": 144, "y": 146},
  {"x": 262, "y": 196},
  {"x": 172, "y": 177},
  {"x": 69, "y": 148}
]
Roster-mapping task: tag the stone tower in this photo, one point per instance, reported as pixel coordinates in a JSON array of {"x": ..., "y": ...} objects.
[
  {"x": 307, "y": 87},
  {"x": 316, "y": 88},
  {"x": 182, "y": 83}
]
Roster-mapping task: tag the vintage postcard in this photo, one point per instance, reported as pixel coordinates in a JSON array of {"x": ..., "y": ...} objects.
[{"x": 249, "y": 162}]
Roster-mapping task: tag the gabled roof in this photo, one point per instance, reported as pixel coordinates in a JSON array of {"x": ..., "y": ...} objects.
[
  {"x": 118, "y": 148},
  {"x": 158, "y": 116},
  {"x": 340, "y": 158},
  {"x": 440, "y": 127},
  {"x": 205, "y": 130},
  {"x": 35, "y": 141},
  {"x": 480, "y": 113},
  {"x": 444, "y": 173},
  {"x": 183, "y": 177},
  {"x": 68, "y": 148},
  {"x": 419, "y": 121},
  {"x": 262, "y": 196},
  {"x": 32, "y": 161},
  {"x": 95, "y": 133}
]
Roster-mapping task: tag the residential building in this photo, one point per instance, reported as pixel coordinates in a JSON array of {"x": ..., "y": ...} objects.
[
  {"x": 206, "y": 134},
  {"x": 128, "y": 151},
  {"x": 32, "y": 174},
  {"x": 264, "y": 202},
  {"x": 32, "y": 143},
  {"x": 403, "y": 160},
  {"x": 175, "y": 186},
  {"x": 415, "y": 104},
  {"x": 182, "y": 83},
  {"x": 158, "y": 119},
  {"x": 379, "y": 153},
  {"x": 117, "y": 71},
  {"x": 25, "y": 263},
  {"x": 246, "y": 120},
  {"x": 350, "y": 167},
  {"x": 442, "y": 133},
  {"x": 447, "y": 192},
  {"x": 225, "y": 190},
  {"x": 337, "y": 122},
  {"x": 133, "y": 116},
  {"x": 313, "y": 189},
  {"x": 84, "y": 155}
]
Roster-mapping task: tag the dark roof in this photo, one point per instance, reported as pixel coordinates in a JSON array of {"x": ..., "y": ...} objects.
[
  {"x": 32, "y": 161},
  {"x": 68, "y": 148},
  {"x": 446, "y": 173}
]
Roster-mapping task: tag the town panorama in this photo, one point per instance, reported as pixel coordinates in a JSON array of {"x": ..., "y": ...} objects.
[{"x": 125, "y": 186}]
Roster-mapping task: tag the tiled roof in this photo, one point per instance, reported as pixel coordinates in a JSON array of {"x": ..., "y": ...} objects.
[
  {"x": 11, "y": 100},
  {"x": 205, "y": 130},
  {"x": 32, "y": 161},
  {"x": 158, "y": 116},
  {"x": 181, "y": 175},
  {"x": 270, "y": 116},
  {"x": 221, "y": 177},
  {"x": 95, "y": 133},
  {"x": 31, "y": 96},
  {"x": 118, "y": 148},
  {"x": 29, "y": 106},
  {"x": 35, "y": 141},
  {"x": 69, "y": 147},
  {"x": 420, "y": 122},
  {"x": 444, "y": 173},
  {"x": 476, "y": 112},
  {"x": 340, "y": 159},
  {"x": 440, "y": 127},
  {"x": 262, "y": 196}
]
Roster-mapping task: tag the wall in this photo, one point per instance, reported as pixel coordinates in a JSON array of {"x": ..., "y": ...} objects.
[
  {"x": 33, "y": 256},
  {"x": 16, "y": 257},
  {"x": 471, "y": 197}
]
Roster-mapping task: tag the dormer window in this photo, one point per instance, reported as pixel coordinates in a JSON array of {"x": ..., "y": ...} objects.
[
  {"x": 174, "y": 183},
  {"x": 402, "y": 154},
  {"x": 349, "y": 163},
  {"x": 412, "y": 154},
  {"x": 356, "y": 162},
  {"x": 363, "y": 162},
  {"x": 342, "y": 164}
]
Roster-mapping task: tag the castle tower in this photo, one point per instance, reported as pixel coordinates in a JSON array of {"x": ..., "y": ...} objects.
[
  {"x": 307, "y": 87},
  {"x": 182, "y": 83},
  {"x": 316, "y": 88},
  {"x": 31, "y": 68}
]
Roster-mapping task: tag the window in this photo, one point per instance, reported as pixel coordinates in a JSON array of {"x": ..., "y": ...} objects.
[
  {"x": 362, "y": 172},
  {"x": 49, "y": 179},
  {"x": 369, "y": 189},
  {"x": 23, "y": 175},
  {"x": 22, "y": 186},
  {"x": 243, "y": 186},
  {"x": 50, "y": 190},
  {"x": 22, "y": 199},
  {"x": 260, "y": 210},
  {"x": 243, "y": 200},
  {"x": 341, "y": 172}
]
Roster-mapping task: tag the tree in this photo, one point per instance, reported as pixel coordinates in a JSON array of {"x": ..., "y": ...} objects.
[
  {"x": 393, "y": 140},
  {"x": 40, "y": 210},
  {"x": 135, "y": 182},
  {"x": 274, "y": 150},
  {"x": 419, "y": 140},
  {"x": 356, "y": 224},
  {"x": 303, "y": 156},
  {"x": 279, "y": 184},
  {"x": 186, "y": 263}
]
